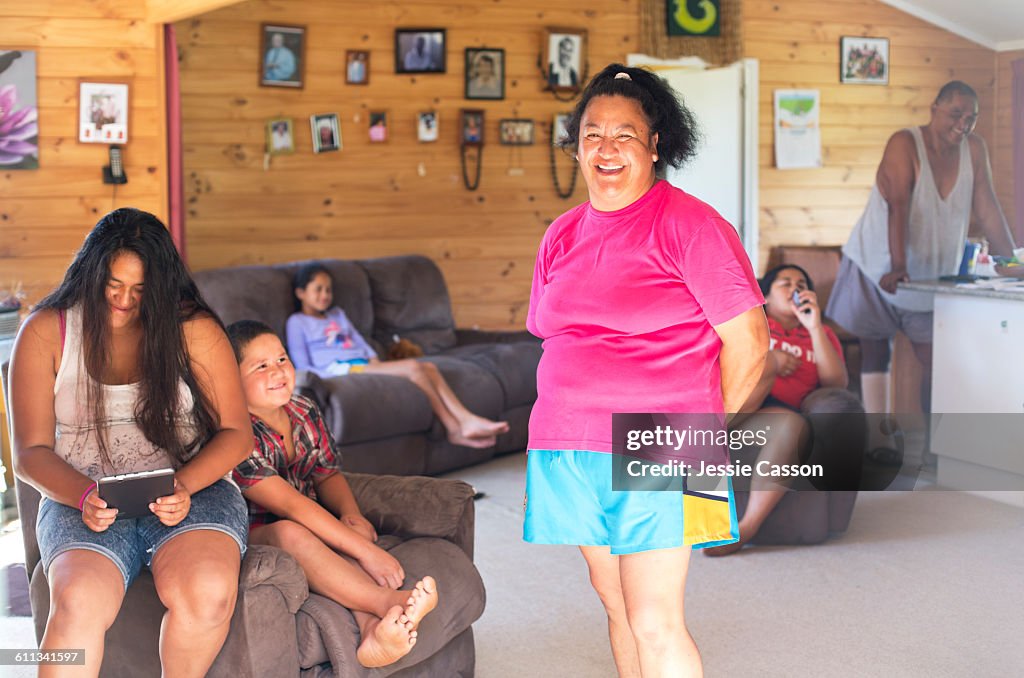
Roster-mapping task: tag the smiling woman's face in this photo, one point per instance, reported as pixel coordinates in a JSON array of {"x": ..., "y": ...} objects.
[
  {"x": 616, "y": 152},
  {"x": 124, "y": 289}
]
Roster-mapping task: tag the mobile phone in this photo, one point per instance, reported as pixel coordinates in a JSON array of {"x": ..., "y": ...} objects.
[{"x": 799, "y": 302}]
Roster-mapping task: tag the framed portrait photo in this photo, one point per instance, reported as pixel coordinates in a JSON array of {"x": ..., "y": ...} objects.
[
  {"x": 864, "y": 61},
  {"x": 515, "y": 131},
  {"x": 326, "y": 132},
  {"x": 420, "y": 50},
  {"x": 357, "y": 67},
  {"x": 559, "y": 128},
  {"x": 426, "y": 126},
  {"x": 103, "y": 112},
  {"x": 564, "y": 59},
  {"x": 472, "y": 127},
  {"x": 485, "y": 73},
  {"x": 280, "y": 136},
  {"x": 282, "y": 55},
  {"x": 378, "y": 126}
]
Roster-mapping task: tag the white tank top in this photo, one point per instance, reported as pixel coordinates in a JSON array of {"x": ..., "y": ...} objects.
[
  {"x": 935, "y": 234},
  {"x": 76, "y": 441}
]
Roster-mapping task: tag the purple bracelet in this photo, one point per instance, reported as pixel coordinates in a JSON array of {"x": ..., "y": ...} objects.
[{"x": 81, "y": 502}]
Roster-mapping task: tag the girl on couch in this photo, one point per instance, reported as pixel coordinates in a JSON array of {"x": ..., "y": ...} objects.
[
  {"x": 805, "y": 355},
  {"x": 323, "y": 340},
  {"x": 124, "y": 368}
]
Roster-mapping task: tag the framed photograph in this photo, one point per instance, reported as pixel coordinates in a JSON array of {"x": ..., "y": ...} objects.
[
  {"x": 485, "y": 73},
  {"x": 103, "y": 112},
  {"x": 426, "y": 126},
  {"x": 280, "y": 136},
  {"x": 378, "y": 126},
  {"x": 19, "y": 111},
  {"x": 559, "y": 127},
  {"x": 864, "y": 61},
  {"x": 357, "y": 67},
  {"x": 420, "y": 50},
  {"x": 515, "y": 132},
  {"x": 282, "y": 55},
  {"x": 564, "y": 58},
  {"x": 472, "y": 127},
  {"x": 326, "y": 132}
]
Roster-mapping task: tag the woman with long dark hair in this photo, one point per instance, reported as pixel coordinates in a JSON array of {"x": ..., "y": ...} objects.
[{"x": 124, "y": 368}]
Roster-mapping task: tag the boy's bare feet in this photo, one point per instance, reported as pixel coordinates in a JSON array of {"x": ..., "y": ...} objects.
[
  {"x": 387, "y": 640},
  {"x": 421, "y": 601}
]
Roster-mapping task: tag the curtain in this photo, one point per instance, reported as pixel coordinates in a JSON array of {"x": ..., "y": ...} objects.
[{"x": 175, "y": 177}]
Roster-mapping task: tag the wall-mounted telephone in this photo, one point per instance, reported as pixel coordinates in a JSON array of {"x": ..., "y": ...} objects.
[{"x": 114, "y": 172}]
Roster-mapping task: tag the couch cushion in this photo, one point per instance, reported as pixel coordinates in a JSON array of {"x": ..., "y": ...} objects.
[
  {"x": 248, "y": 293},
  {"x": 351, "y": 291},
  {"x": 513, "y": 365},
  {"x": 374, "y": 406},
  {"x": 410, "y": 299}
]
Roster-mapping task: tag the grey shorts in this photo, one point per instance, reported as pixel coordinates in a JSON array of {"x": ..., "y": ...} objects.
[
  {"x": 859, "y": 307},
  {"x": 131, "y": 542}
]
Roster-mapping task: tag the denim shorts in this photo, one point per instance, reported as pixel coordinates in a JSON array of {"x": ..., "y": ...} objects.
[
  {"x": 570, "y": 500},
  {"x": 131, "y": 542}
]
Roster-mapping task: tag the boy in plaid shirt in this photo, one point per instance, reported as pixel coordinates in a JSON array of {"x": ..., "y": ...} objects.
[{"x": 299, "y": 502}]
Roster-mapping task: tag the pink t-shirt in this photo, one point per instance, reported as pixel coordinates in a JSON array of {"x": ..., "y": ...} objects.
[{"x": 626, "y": 302}]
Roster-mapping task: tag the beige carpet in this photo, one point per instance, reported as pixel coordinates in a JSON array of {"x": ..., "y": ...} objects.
[{"x": 922, "y": 584}]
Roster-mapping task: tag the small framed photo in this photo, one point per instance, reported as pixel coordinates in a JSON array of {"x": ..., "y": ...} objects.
[
  {"x": 564, "y": 58},
  {"x": 326, "y": 132},
  {"x": 282, "y": 55},
  {"x": 420, "y": 50},
  {"x": 280, "y": 136},
  {"x": 472, "y": 127},
  {"x": 357, "y": 67},
  {"x": 103, "y": 112},
  {"x": 485, "y": 73},
  {"x": 559, "y": 128},
  {"x": 515, "y": 132},
  {"x": 378, "y": 126},
  {"x": 864, "y": 61},
  {"x": 426, "y": 126}
]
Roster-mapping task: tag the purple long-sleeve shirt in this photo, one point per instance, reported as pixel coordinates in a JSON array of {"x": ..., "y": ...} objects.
[{"x": 317, "y": 343}]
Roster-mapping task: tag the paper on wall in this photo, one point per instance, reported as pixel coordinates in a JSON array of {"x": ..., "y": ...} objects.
[{"x": 797, "y": 128}]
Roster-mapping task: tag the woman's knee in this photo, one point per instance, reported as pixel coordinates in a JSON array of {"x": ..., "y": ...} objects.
[
  {"x": 84, "y": 592},
  {"x": 205, "y": 594},
  {"x": 609, "y": 590},
  {"x": 656, "y": 626}
]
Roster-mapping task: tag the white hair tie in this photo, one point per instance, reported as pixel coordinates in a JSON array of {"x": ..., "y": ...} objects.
[{"x": 624, "y": 76}]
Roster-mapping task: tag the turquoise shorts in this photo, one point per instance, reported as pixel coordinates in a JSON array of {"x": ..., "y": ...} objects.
[{"x": 569, "y": 500}]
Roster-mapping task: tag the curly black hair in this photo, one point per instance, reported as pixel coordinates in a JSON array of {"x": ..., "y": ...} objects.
[{"x": 667, "y": 116}]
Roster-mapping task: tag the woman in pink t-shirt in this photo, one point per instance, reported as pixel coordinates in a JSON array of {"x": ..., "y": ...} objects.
[
  {"x": 647, "y": 303},
  {"x": 805, "y": 355}
]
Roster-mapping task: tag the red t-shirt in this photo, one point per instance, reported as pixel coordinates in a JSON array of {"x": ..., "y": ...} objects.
[
  {"x": 793, "y": 389},
  {"x": 625, "y": 302}
]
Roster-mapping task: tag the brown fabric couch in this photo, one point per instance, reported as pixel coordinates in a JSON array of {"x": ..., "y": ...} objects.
[
  {"x": 279, "y": 628},
  {"x": 383, "y": 424}
]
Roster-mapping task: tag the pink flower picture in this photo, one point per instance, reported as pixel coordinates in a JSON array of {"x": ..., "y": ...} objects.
[{"x": 19, "y": 116}]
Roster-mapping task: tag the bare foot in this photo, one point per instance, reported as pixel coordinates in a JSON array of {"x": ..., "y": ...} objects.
[
  {"x": 456, "y": 438},
  {"x": 422, "y": 600},
  {"x": 387, "y": 640},
  {"x": 479, "y": 427}
]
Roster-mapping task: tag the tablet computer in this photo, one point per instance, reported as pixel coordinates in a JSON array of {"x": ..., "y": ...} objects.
[{"x": 132, "y": 493}]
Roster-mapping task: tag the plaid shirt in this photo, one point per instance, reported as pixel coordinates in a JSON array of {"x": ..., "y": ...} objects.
[{"x": 315, "y": 457}]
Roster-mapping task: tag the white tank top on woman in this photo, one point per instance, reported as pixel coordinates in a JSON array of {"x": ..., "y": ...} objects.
[
  {"x": 76, "y": 442},
  {"x": 935, "y": 234}
]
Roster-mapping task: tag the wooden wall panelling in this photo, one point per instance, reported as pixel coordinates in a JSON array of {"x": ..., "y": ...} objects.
[
  {"x": 1002, "y": 147},
  {"x": 370, "y": 199},
  {"x": 45, "y": 213}
]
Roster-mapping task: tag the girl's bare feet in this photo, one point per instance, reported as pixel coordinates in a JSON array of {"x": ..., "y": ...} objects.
[
  {"x": 421, "y": 601},
  {"x": 387, "y": 640},
  {"x": 477, "y": 432}
]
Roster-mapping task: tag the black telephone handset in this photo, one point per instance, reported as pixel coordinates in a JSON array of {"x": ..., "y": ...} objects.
[{"x": 114, "y": 172}]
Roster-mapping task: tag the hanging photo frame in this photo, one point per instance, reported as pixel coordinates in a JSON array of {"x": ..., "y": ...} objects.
[{"x": 563, "y": 60}]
